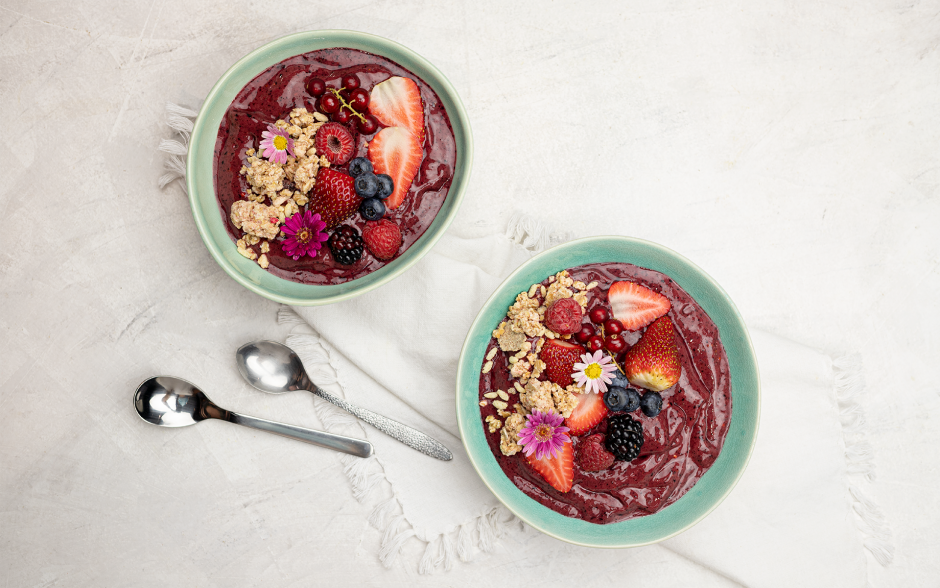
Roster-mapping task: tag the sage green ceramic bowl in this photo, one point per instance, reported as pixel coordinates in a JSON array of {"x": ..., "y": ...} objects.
[
  {"x": 200, "y": 181},
  {"x": 717, "y": 482}
]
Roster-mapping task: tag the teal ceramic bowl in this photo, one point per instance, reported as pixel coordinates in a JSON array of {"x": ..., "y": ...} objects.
[
  {"x": 717, "y": 482},
  {"x": 200, "y": 178}
]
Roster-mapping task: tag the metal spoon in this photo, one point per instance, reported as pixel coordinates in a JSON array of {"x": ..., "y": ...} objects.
[
  {"x": 174, "y": 402},
  {"x": 275, "y": 368}
]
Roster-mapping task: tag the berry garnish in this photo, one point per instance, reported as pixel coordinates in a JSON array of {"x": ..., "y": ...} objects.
[
  {"x": 589, "y": 411},
  {"x": 586, "y": 332},
  {"x": 613, "y": 326},
  {"x": 350, "y": 82},
  {"x": 396, "y": 152},
  {"x": 372, "y": 209},
  {"x": 316, "y": 86},
  {"x": 386, "y": 185},
  {"x": 328, "y": 103},
  {"x": 636, "y": 306},
  {"x": 592, "y": 455},
  {"x": 367, "y": 124},
  {"x": 343, "y": 115},
  {"x": 383, "y": 238},
  {"x": 598, "y": 314},
  {"x": 333, "y": 197},
  {"x": 367, "y": 185},
  {"x": 396, "y": 102},
  {"x": 359, "y": 99},
  {"x": 558, "y": 470},
  {"x": 620, "y": 380},
  {"x": 651, "y": 403},
  {"x": 653, "y": 363},
  {"x": 346, "y": 245},
  {"x": 595, "y": 343},
  {"x": 564, "y": 316},
  {"x": 624, "y": 437},
  {"x": 615, "y": 344},
  {"x": 335, "y": 142},
  {"x": 559, "y": 357},
  {"x": 359, "y": 166},
  {"x": 621, "y": 399}
]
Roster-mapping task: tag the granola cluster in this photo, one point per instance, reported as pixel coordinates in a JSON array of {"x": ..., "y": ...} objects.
[
  {"x": 277, "y": 190},
  {"x": 520, "y": 338}
]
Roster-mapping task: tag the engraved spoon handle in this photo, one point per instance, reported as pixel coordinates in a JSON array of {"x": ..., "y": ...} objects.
[{"x": 409, "y": 436}]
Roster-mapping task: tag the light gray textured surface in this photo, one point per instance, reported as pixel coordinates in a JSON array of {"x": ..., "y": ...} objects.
[{"x": 789, "y": 149}]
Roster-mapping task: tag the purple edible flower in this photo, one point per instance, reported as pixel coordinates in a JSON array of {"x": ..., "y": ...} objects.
[
  {"x": 305, "y": 234},
  {"x": 543, "y": 434}
]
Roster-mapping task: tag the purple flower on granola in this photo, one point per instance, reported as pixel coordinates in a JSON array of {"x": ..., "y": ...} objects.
[
  {"x": 305, "y": 234},
  {"x": 594, "y": 372},
  {"x": 276, "y": 145},
  {"x": 543, "y": 434}
]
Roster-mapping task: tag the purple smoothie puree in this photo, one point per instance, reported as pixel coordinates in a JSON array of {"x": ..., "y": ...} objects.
[
  {"x": 280, "y": 88},
  {"x": 680, "y": 443}
]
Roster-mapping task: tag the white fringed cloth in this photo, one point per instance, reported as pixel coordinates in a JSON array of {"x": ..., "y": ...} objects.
[{"x": 800, "y": 516}]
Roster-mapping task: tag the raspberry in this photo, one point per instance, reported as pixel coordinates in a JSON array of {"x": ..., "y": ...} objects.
[
  {"x": 564, "y": 316},
  {"x": 383, "y": 238},
  {"x": 592, "y": 457}
]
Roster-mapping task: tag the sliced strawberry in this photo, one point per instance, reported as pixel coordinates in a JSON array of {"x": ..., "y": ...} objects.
[
  {"x": 589, "y": 411},
  {"x": 333, "y": 197},
  {"x": 396, "y": 102},
  {"x": 636, "y": 306},
  {"x": 559, "y": 357},
  {"x": 653, "y": 363},
  {"x": 557, "y": 471},
  {"x": 395, "y": 151}
]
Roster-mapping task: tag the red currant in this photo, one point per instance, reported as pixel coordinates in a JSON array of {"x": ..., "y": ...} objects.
[
  {"x": 350, "y": 82},
  {"x": 328, "y": 103},
  {"x": 613, "y": 326},
  {"x": 343, "y": 115},
  {"x": 345, "y": 93},
  {"x": 615, "y": 343},
  {"x": 359, "y": 99},
  {"x": 367, "y": 124},
  {"x": 598, "y": 314},
  {"x": 316, "y": 86},
  {"x": 595, "y": 343},
  {"x": 586, "y": 332}
]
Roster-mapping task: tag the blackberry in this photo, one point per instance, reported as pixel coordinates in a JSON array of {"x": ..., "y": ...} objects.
[
  {"x": 346, "y": 245},
  {"x": 624, "y": 437}
]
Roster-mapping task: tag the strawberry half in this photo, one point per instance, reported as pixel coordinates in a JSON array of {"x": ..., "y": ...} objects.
[
  {"x": 396, "y": 152},
  {"x": 333, "y": 197},
  {"x": 653, "y": 363},
  {"x": 396, "y": 102},
  {"x": 557, "y": 471},
  {"x": 589, "y": 411},
  {"x": 636, "y": 306},
  {"x": 559, "y": 357}
]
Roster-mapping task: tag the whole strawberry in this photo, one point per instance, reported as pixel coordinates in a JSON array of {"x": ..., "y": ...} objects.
[
  {"x": 653, "y": 363},
  {"x": 333, "y": 197},
  {"x": 592, "y": 455},
  {"x": 383, "y": 238},
  {"x": 559, "y": 357}
]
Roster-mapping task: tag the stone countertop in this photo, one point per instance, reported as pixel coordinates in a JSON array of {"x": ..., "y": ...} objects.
[{"x": 790, "y": 150}]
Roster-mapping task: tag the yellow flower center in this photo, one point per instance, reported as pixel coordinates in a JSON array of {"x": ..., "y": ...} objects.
[
  {"x": 280, "y": 143},
  {"x": 593, "y": 371},
  {"x": 543, "y": 432},
  {"x": 304, "y": 235}
]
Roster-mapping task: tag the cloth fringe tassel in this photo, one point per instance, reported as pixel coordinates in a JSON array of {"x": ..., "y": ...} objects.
[
  {"x": 179, "y": 119},
  {"x": 859, "y": 458},
  {"x": 531, "y": 233},
  {"x": 366, "y": 475}
]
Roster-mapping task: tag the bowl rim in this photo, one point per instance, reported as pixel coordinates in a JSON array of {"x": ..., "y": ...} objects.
[
  {"x": 744, "y": 424},
  {"x": 205, "y": 130}
]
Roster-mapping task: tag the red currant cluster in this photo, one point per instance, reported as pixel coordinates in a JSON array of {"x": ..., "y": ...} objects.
[
  {"x": 608, "y": 338},
  {"x": 347, "y": 104}
]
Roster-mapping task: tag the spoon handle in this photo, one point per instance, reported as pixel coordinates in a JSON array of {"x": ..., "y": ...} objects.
[
  {"x": 356, "y": 447},
  {"x": 409, "y": 436}
]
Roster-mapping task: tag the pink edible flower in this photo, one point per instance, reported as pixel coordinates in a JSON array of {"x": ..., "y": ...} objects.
[
  {"x": 276, "y": 144},
  {"x": 305, "y": 235},
  {"x": 543, "y": 434},
  {"x": 594, "y": 372}
]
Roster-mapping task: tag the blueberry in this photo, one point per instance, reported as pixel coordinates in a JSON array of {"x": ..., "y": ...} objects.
[
  {"x": 620, "y": 380},
  {"x": 386, "y": 186},
  {"x": 366, "y": 185},
  {"x": 633, "y": 400},
  {"x": 372, "y": 209},
  {"x": 651, "y": 403},
  {"x": 616, "y": 398},
  {"x": 359, "y": 166}
]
